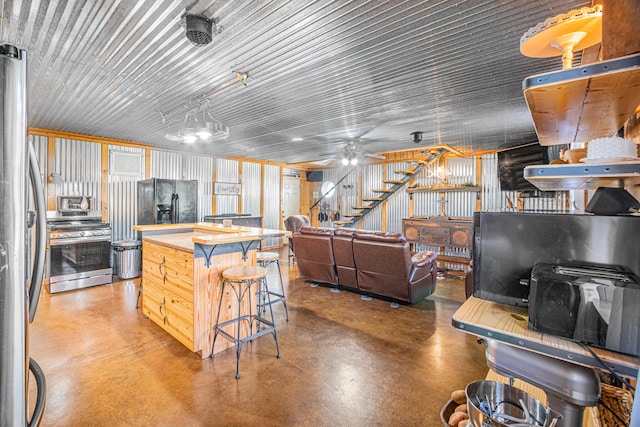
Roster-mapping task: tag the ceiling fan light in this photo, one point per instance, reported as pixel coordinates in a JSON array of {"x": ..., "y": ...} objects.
[
  {"x": 345, "y": 161},
  {"x": 354, "y": 161}
]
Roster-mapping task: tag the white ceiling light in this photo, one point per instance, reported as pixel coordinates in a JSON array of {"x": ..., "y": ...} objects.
[{"x": 198, "y": 125}]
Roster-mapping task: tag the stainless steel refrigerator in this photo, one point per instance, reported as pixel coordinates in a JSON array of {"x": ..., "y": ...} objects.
[
  {"x": 167, "y": 201},
  {"x": 18, "y": 298}
]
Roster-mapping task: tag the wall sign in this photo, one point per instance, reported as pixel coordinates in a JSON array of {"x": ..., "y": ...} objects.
[{"x": 227, "y": 189}]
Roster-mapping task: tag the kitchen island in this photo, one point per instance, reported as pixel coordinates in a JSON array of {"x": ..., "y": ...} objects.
[{"x": 181, "y": 277}]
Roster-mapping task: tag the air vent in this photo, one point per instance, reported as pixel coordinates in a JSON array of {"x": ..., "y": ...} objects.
[{"x": 198, "y": 29}]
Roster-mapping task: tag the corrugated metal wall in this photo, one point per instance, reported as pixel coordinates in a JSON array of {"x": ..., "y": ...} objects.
[
  {"x": 460, "y": 171},
  {"x": 397, "y": 206},
  {"x": 166, "y": 164},
  {"x": 226, "y": 171},
  {"x": 123, "y": 199},
  {"x": 347, "y": 194},
  {"x": 272, "y": 215},
  {"x": 200, "y": 168},
  {"x": 495, "y": 200},
  {"x": 329, "y": 204},
  {"x": 372, "y": 177},
  {"x": 251, "y": 188},
  {"x": 39, "y": 144},
  {"x": 492, "y": 198},
  {"x": 80, "y": 165}
]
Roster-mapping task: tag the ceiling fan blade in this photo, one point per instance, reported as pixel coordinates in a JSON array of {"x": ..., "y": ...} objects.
[{"x": 324, "y": 162}]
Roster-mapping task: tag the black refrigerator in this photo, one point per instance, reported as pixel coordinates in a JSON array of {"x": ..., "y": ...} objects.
[{"x": 167, "y": 201}]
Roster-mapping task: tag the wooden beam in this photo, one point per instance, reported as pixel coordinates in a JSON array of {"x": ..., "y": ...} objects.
[
  {"x": 51, "y": 168},
  {"x": 104, "y": 183}
]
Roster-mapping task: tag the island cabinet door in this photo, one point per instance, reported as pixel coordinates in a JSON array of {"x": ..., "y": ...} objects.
[{"x": 167, "y": 297}]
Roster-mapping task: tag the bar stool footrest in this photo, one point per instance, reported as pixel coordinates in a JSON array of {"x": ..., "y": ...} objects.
[{"x": 251, "y": 337}]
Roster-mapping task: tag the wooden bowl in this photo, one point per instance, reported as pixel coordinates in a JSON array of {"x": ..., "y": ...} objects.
[{"x": 574, "y": 155}]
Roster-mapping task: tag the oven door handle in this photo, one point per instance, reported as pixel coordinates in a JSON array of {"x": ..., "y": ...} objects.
[{"x": 73, "y": 241}]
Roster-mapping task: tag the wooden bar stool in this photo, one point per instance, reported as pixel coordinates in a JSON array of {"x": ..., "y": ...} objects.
[
  {"x": 264, "y": 259},
  {"x": 241, "y": 279}
]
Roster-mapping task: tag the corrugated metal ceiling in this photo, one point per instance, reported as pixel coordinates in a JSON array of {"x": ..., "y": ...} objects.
[{"x": 323, "y": 71}]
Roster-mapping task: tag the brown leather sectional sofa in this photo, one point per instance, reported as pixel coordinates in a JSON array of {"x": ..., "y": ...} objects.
[{"x": 369, "y": 262}]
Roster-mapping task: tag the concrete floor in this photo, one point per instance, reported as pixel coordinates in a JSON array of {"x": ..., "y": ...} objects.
[{"x": 345, "y": 362}]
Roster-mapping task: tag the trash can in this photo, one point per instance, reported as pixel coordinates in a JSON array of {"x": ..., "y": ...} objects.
[{"x": 127, "y": 258}]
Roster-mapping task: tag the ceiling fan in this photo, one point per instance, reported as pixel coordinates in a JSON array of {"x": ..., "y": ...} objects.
[{"x": 350, "y": 154}]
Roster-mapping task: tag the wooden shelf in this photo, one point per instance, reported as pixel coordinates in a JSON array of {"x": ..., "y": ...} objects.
[
  {"x": 464, "y": 188},
  {"x": 508, "y": 324},
  {"x": 583, "y": 176},
  {"x": 583, "y": 103}
]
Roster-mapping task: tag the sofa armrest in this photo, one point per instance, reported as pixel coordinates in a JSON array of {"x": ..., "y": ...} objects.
[{"x": 423, "y": 264}]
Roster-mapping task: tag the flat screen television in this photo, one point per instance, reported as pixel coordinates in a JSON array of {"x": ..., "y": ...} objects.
[
  {"x": 511, "y": 164},
  {"x": 508, "y": 244}
]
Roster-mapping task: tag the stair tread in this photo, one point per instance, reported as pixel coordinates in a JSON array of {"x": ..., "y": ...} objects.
[
  {"x": 362, "y": 207},
  {"x": 341, "y": 222},
  {"x": 406, "y": 171},
  {"x": 371, "y": 199},
  {"x": 382, "y": 190},
  {"x": 351, "y": 215},
  {"x": 394, "y": 181}
]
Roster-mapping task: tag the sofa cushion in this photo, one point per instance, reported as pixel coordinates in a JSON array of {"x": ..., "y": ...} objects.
[
  {"x": 343, "y": 255},
  {"x": 318, "y": 231},
  {"x": 314, "y": 254},
  {"x": 345, "y": 232},
  {"x": 380, "y": 236}
]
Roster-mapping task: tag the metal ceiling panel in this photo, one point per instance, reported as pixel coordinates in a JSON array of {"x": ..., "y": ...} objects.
[{"x": 319, "y": 71}]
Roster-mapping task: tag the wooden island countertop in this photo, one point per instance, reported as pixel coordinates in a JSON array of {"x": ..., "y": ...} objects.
[{"x": 182, "y": 267}]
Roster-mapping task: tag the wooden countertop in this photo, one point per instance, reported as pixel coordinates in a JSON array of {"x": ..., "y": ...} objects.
[
  {"x": 509, "y": 324},
  {"x": 186, "y": 241},
  {"x": 210, "y": 226},
  {"x": 184, "y": 236}
]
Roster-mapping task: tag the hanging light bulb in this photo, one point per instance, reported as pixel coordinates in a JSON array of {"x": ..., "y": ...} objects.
[
  {"x": 189, "y": 139},
  {"x": 204, "y": 132},
  {"x": 345, "y": 161},
  {"x": 198, "y": 125},
  {"x": 354, "y": 161}
]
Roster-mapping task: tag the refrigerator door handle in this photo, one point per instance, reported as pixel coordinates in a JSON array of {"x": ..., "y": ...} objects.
[
  {"x": 40, "y": 233},
  {"x": 41, "y": 395}
]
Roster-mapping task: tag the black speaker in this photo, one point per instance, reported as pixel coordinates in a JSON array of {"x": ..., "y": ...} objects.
[
  {"x": 315, "y": 176},
  {"x": 612, "y": 201}
]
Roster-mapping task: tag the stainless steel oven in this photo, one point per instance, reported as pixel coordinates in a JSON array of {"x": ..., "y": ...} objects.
[{"x": 79, "y": 250}]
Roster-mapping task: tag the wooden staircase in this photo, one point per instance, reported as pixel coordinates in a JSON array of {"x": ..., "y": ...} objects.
[{"x": 394, "y": 185}]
